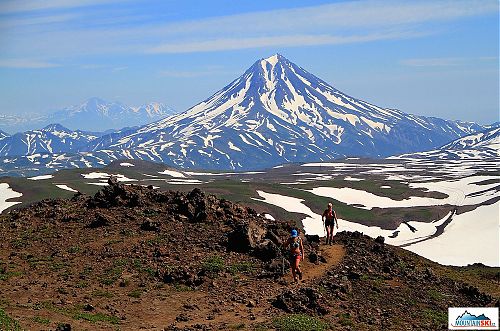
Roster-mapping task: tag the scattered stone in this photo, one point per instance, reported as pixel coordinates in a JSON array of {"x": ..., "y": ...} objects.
[
  {"x": 149, "y": 225},
  {"x": 64, "y": 327},
  {"x": 304, "y": 300},
  {"x": 88, "y": 307}
]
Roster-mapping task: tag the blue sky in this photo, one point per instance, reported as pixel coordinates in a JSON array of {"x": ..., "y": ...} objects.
[{"x": 433, "y": 58}]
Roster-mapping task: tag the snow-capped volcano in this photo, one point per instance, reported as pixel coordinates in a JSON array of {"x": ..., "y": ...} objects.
[{"x": 277, "y": 112}]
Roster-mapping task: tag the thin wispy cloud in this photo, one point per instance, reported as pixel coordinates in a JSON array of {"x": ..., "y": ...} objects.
[
  {"x": 26, "y": 64},
  {"x": 445, "y": 61},
  {"x": 344, "y": 15},
  {"x": 433, "y": 62},
  {"x": 36, "y": 20},
  {"x": 197, "y": 73},
  {"x": 331, "y": 24},
  {"x": 17, "y": 6},
  {"x": 276, "y": 41}
]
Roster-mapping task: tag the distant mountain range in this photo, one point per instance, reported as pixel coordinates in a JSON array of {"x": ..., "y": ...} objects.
[
  {"x": 52, "y": 139},
  {"x": 483, "y": 145},
  {"x": 92, "y": 115},
  {"x": 275, "y": 113}
]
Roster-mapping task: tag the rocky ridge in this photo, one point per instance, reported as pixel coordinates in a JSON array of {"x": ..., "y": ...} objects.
[{"x": 136, "y": 257}]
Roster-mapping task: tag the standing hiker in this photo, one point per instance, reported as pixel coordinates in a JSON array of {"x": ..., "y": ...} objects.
[
  {"x": 296, "y": 250},
  {"x": 329, "y": 219}
]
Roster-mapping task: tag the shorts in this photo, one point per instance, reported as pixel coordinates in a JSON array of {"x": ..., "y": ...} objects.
[
  {"x": 329, "y": 223},
  {"x": 294, "y": 258}
]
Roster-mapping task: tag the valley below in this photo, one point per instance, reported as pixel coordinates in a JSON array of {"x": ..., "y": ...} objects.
[{"x": 446, "y": 211}]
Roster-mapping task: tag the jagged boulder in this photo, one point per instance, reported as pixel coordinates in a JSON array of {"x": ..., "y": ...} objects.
[
  {"x": 266, "y": 250},
  {"x": 100, "y": 220},
  {"x": 476, "y": 295},
  {"x": 180, "y": 275},
  {"x": 246, "y": 236}
]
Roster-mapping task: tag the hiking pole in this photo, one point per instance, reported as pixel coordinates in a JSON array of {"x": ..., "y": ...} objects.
[{"x": 282, "y": 265}]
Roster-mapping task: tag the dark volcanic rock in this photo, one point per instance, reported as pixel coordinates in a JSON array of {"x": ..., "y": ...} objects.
[
  {"x": 266, "y": 250},
  {"x": 64, "y": 327},
  {"x": 304, "y": 300},
  {"x": 149, "y": 225},
  {"x": 99, "y": 221},
  {"x": 312, "y": 238},
  {"x": 246, "y": 236}
]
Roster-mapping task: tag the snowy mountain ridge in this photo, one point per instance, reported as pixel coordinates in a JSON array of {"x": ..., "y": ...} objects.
[
  {"x": 53, "y": 138},
  {"x": 94, "y": 114},
  {"x": 480, "y": 145}
]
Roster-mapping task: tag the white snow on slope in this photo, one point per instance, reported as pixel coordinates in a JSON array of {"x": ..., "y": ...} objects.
[
  {"x": 457, "y": 191},
  {"x": 96, "y": 175},
  {"x": 471, "y": 237},
  {"x": 66, "y": 187},
  {"x": 353, "y": 179},
  {"x": 472, "y": 225},
  {"x": 41, "y": 177},
  {"x": 6, "y": 193},
  {"x": 126, "y": 164},
  {"x": 103, "y": 175},
  {"x": 172, "y": 173}
]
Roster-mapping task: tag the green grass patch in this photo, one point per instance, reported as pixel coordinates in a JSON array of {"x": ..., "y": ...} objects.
[
  {"x": 182, "y": 288},
  {"x": 135, "y": 294},
  {"x": 74, "y": 249},
  {"x": 97, "y": 317},
  {"x": 7, "y": 323},
  {"x": 437, "y": 317},
  {"x": 57, "y": 265},
  {"x": 19, "y": 243},
  {"x": 41, "y": 320},
  {"x": 345, "y": 319},
  {"x": 10, "y": 274},
  {"x": 435, "y": 295},
  {"x": 111, "y": 275},
  {"x": 76, "y": 313},
  {"x": 82, "y": 284},
  {"x": 140, "y": 267},
  {"x": 240, "y": 267},
  {"x": 299, "y": 322},
  {"x": 213, "y": 264}
]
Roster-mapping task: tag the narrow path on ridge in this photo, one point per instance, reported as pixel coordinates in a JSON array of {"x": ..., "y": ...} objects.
[{"x": 333, "y": 255}]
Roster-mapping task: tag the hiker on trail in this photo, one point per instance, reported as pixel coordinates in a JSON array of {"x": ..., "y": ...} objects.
[
  {"x": 329, "y": 219},
  {"x": 296, "y": 253}
]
